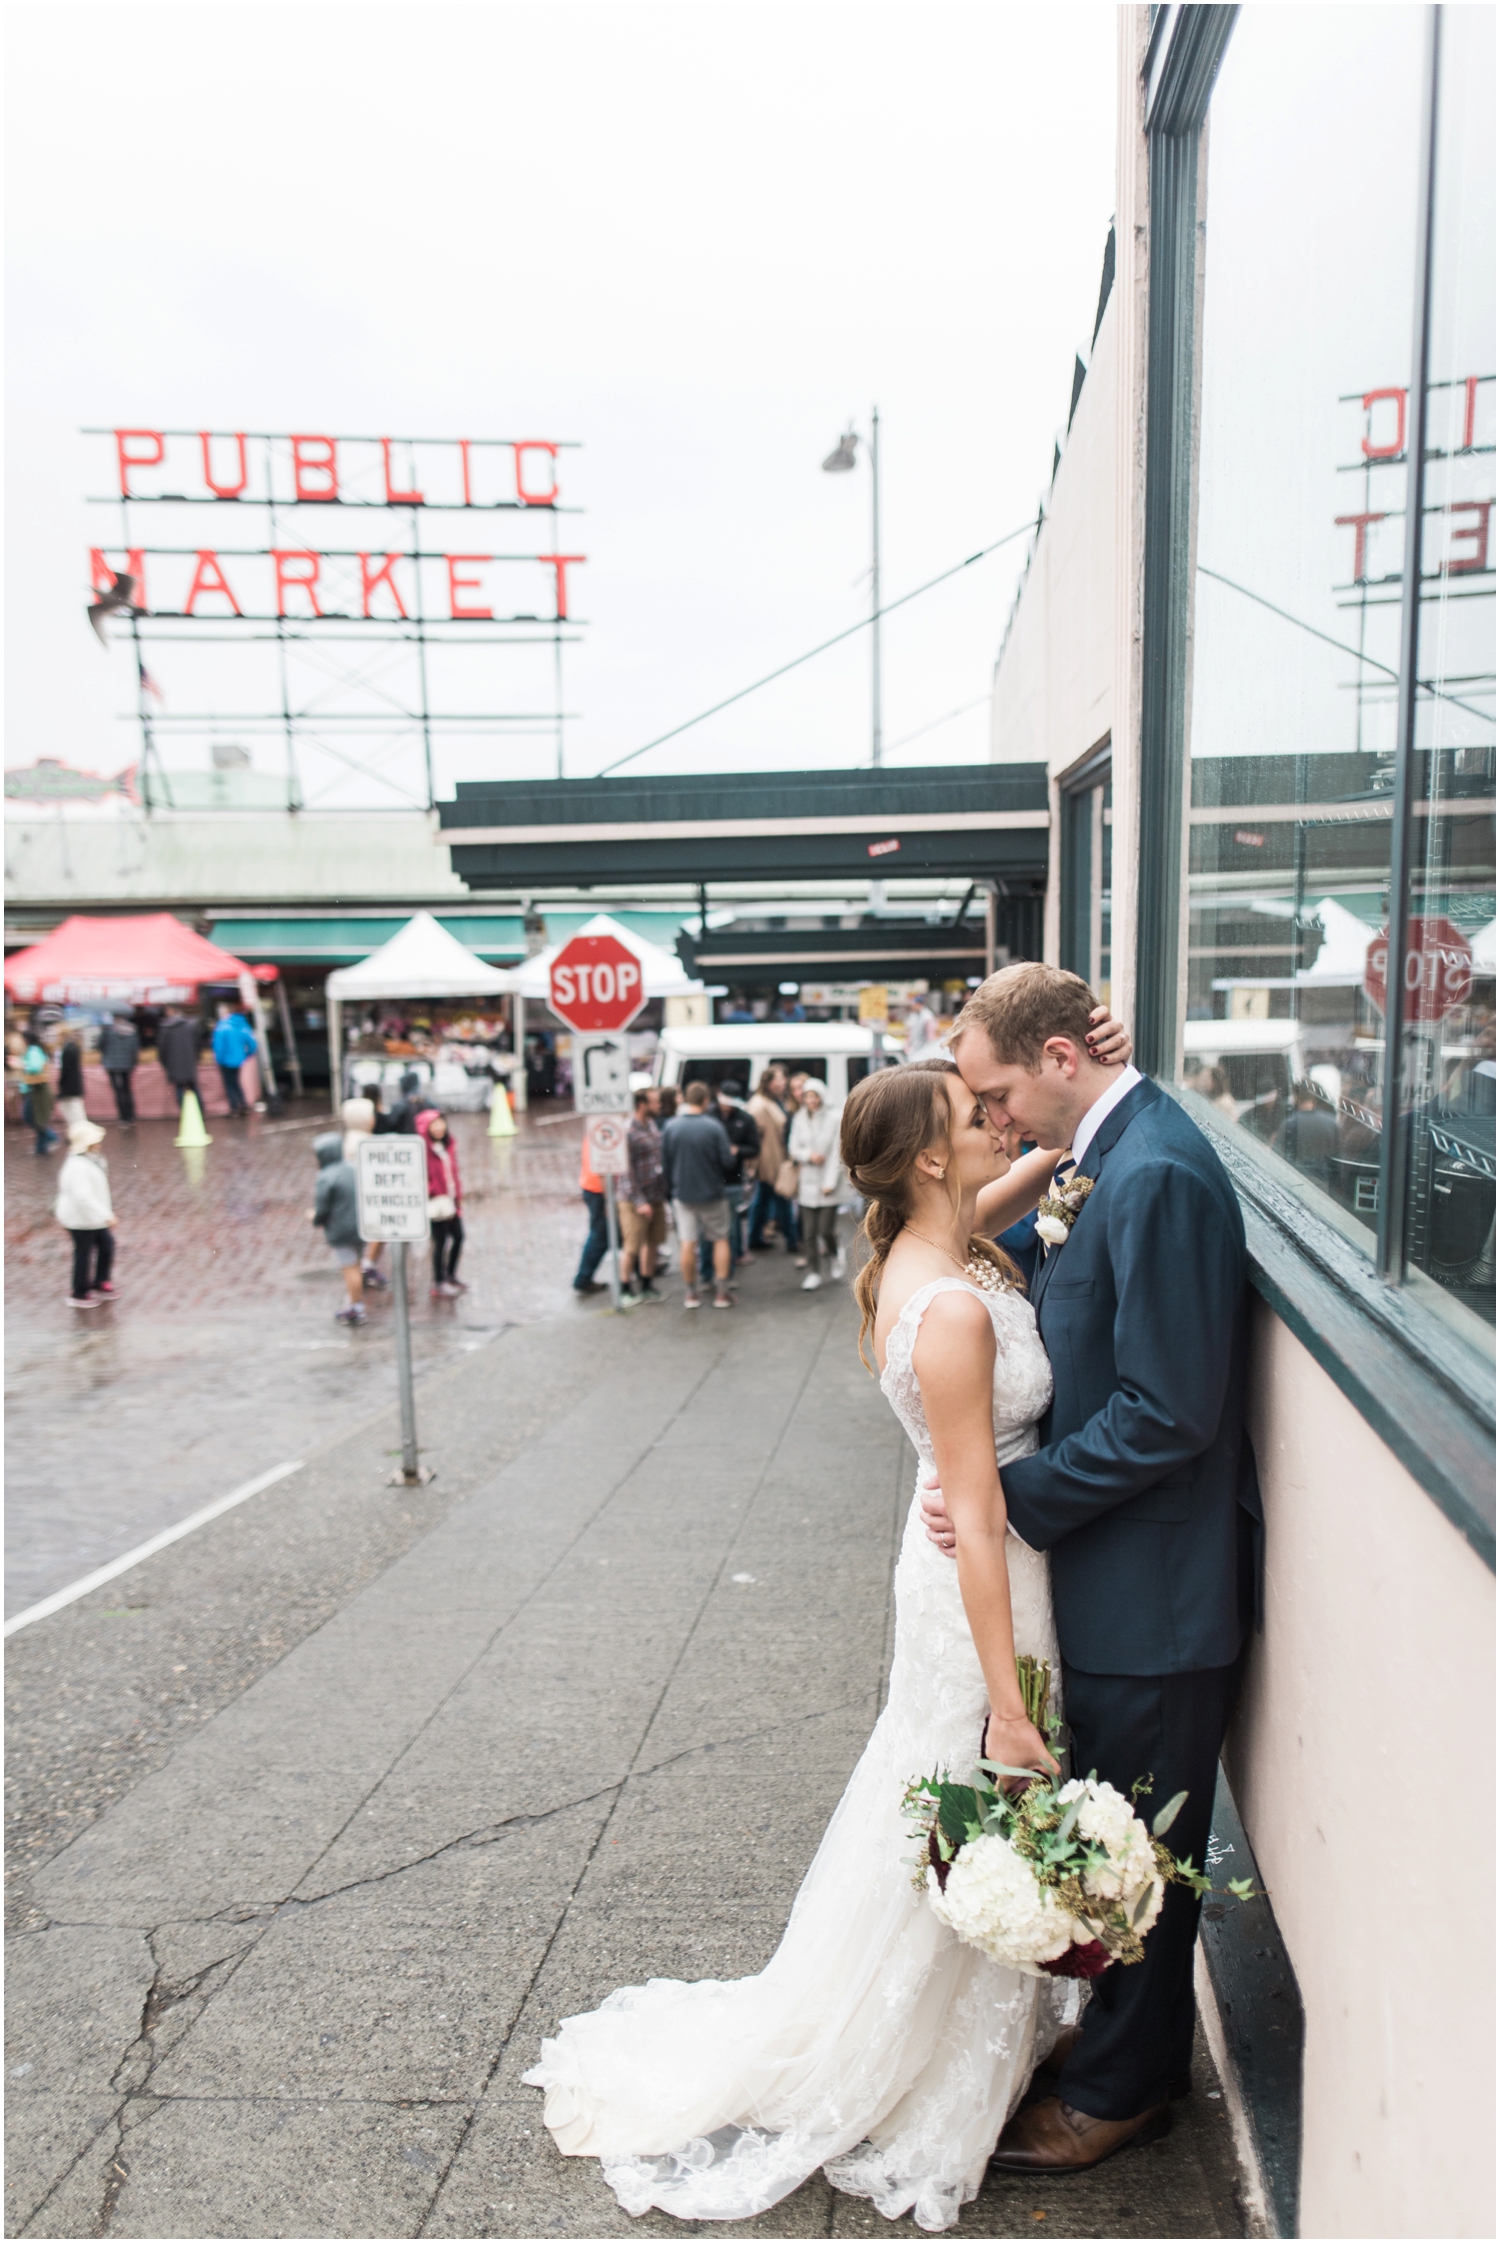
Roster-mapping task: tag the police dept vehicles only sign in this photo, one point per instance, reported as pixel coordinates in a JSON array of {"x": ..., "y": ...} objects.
[{"x": 392, "y": 1176}]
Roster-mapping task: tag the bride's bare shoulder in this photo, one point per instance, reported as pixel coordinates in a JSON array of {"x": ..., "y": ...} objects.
[{"x": 952, "y": 1310}]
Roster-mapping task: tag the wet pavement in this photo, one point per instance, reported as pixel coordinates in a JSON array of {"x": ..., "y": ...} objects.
[
  {"x": 220, "y": 1358},
  {"x": 323, "y": 1816}
]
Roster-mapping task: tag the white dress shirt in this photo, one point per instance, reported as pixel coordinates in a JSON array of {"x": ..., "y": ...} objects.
[{"x": 1088, "y": 1128}]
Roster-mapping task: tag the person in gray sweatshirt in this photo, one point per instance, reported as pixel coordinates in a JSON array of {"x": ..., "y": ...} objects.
[
  {"x": 336, "y": 1212},
  {"x": 698, "y": 1167}
]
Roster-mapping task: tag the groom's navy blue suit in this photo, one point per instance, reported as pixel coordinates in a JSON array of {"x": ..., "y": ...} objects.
[{"x": 1144, "y": 1491}]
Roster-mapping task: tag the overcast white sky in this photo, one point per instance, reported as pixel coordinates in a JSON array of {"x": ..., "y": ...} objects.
[{"x": 698, "y": 238}]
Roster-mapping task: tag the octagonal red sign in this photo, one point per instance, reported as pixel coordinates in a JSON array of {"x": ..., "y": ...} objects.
[
  {"x": 596, "y": 983},
  {"x": 1439, "y": 969}
]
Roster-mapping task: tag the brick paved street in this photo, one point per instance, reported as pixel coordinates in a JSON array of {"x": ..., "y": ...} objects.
[{"x": 221, "y": 1357}]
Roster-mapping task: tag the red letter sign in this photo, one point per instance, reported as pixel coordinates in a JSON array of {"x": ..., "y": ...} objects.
[
  {"x": 223, "y": 490},
  {"x": 1386, "y": 451},
  {"x": 209, "y": 577},
  {"x": 1360, "y": 524},
  {"x": 287, "y": 579},
  {"x": 561, "y": 562},
  {"x": 370, "y": 582},
  {"x": 1466, "y": 563},
  {"x": 305, "y": 463},
  {"x": 457, "y": 584},
  {"x": 128, "y": 460},
  {"x": 395, "y": 498},
  {"x": 535, "y": 498},
  {"x": 102, "y": 575}
]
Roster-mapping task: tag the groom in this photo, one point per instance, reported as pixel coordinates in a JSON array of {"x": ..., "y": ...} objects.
[{"x": 1143, "y": 1490}]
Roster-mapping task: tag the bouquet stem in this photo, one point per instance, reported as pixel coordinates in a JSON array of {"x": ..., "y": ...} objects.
[{"x": 1035, "y": 1678}]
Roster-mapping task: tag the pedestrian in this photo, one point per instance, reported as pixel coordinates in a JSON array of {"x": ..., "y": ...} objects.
[
  {"x": 70, "y": 1106},
  {"x": 814, "y": 1146},
  {"x": 743, "y": 1132},
  {"x": 234, "y": 1043},
  {"x": 412, "y": 1102},
  {"x": 358, "y": 1118},
  {"x": 775, "y": 1178},
  {"x": 445, "y": 1199},
  {"x": 36, "y": 1079},
  {"x": 177, "y": 1049},
  {"x": 86, "y": 1212},
  {"x": 596, "y": 1245},
  {"x": 119, "y": 1055},
  {"x": 643, "y": 1209},
  {"x": 335, "y": 1210},
  {"x": 697, "y": 1168},
  {"x": 666, "y": 1104}
]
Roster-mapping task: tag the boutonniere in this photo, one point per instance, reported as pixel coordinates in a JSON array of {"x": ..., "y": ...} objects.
[{"x": 1059, "y": 1209}]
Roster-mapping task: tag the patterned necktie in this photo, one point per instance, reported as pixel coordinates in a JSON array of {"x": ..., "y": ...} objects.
[{"x": 1065, "y": 1171}]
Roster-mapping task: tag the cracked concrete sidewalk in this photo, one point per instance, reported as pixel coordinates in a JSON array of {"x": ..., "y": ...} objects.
[{"x": 460, "y": 1764}]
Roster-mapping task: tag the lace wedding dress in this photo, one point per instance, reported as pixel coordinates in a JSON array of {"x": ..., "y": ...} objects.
[{"x": 874, "y": 2043}]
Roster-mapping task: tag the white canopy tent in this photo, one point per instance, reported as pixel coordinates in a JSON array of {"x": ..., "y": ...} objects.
[
  {"x": 665, "y": 975},
  {"x": 421, "y": 960}
]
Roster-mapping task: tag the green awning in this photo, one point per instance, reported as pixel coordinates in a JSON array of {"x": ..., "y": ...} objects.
[{"x": 498, "y": 937}]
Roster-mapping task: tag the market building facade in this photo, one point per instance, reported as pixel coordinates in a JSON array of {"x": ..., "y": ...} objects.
[{"x": 1254, "y": 648}]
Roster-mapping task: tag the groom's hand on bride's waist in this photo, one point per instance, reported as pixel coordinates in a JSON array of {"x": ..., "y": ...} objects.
[{"x": 935, "y": 1512}]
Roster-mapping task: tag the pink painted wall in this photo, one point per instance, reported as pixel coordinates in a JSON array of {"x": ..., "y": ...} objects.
[{"x": 1363, "y": 1763}]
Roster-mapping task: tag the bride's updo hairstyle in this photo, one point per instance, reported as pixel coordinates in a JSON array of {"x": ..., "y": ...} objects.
[{"x": 889, "y": 1121}]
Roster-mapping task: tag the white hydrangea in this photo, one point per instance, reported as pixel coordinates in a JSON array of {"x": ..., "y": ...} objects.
[
  {"x": 1052, "y": 1228},
  {"x": 994, "y": 1902},
  {"x": 1108, "y": 1819}
]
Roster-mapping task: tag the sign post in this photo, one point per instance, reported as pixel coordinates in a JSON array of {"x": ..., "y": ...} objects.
[
  {"x": 597, "y": 987},
  {"x": 392, "y": 1183},
  {"x": 610, "y": 1157},
  {"x": 874, "y": 1013}
]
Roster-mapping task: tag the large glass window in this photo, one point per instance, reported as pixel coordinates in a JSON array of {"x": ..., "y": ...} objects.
[{"x": 1311, "y": 214}]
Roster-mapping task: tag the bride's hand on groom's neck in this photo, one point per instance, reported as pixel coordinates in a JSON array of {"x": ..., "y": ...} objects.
[{"x": 1108, "y": 1039}]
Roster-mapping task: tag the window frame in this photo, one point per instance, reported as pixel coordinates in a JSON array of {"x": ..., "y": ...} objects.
[{"x": 1422, "y": 1386}]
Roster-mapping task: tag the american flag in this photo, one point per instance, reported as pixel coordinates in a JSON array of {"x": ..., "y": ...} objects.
[{"x": 149, "y": 684}]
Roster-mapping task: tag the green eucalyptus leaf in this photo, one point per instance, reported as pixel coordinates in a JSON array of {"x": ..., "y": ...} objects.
[{"x": 1163, "y": 1822}]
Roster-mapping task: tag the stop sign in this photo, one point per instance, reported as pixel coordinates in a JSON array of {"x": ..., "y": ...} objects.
[
  {"x": 596, "y": 983},
  {"x": 1439, "y": 969}
]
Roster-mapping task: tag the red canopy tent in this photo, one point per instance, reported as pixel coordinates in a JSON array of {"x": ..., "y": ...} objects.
[
  {"x": 146, "y": 959},
  {"x": 152, "y": 959}
]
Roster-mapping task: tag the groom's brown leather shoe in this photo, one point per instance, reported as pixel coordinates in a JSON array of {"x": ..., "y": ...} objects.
[{"x": 1051, "y": 2137}]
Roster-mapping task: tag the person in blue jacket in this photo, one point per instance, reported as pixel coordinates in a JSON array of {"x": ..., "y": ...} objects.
[{"x": 234, "y": 1043}]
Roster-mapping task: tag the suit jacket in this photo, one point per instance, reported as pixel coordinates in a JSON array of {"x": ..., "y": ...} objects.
[{"x": 1144, "y": 1487}]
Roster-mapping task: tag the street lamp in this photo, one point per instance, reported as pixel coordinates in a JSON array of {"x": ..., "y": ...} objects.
[{"x": 838, "y": 462}]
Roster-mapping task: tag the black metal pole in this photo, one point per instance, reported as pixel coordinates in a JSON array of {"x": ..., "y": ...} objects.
[{"x": 1395, "y": 1133}]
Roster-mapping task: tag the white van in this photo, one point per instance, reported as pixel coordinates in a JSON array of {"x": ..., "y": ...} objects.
[{"x": 838, "y": 1053}]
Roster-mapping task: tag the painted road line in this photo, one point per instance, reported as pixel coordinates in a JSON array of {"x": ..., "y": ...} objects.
[{"x": 103, "y": 1573}]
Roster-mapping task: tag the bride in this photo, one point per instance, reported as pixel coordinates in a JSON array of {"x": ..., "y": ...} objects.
[{"x": 874, "y": 2043}]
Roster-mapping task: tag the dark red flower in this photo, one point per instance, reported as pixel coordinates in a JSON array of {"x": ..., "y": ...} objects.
[
  {"x": 1088, "y": 1961},
  {"x": 935, "y": 1856}
]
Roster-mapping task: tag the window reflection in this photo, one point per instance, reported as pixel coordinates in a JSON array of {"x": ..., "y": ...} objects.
[{"x": 1302, "y": 494}]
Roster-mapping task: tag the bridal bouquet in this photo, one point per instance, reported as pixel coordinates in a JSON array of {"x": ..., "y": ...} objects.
[{"x": 1060, "y": 1878}]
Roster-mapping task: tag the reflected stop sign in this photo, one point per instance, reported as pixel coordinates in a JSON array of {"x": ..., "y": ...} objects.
[
  {"x": 596, "y": 983},
  {"x": 1439, "y": 969}
]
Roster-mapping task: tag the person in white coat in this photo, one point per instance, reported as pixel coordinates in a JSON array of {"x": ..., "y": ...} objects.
[
  {"x": 86, "y": 1211},
  {"x": 814, "y": 1145}
]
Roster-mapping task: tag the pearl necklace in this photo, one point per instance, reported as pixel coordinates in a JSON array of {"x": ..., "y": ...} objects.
[{"x": 980, "y": 1271}]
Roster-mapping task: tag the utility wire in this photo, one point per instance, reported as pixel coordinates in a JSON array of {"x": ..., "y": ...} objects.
[
  {"x": 1353, "y": 652},
  {"x": 862, "y": 625},
  {"x": 923, "y": 729}
]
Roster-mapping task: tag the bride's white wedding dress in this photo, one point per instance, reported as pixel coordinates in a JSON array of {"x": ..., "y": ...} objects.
[{"x": 874, "y": 2043}]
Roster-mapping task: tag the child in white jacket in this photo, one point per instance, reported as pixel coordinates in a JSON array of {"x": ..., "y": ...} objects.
[{"x": 85, "y": 1210}]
